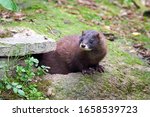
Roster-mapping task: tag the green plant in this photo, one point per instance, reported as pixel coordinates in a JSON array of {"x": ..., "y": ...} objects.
[
  {"x": 23, "y": 83},
  {"x": 16, "y": 87},
  {"x": 9, "y": 4},
  {"x": 34, "y": 93}
]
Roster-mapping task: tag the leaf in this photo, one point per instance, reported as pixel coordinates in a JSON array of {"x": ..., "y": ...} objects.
[
  {"x": 9, "y": 4},
  {"x": 45, "y": 67},
  {"x": 34, "y": 60},
  {"x": 14, "y": 84},
  {"x": 21, "y": 92},
  {"x": 19, "y": 86},
  {"x": 136, "y": 34},
  {"x": 20, "y": 69},
  {"x": 23, "y": 70},
  {"x": 8, "y": 86},
  {"x": 127, "y": 1},
  {"x": 1, "y": 85},
  {"x": 15, "y": 90}
]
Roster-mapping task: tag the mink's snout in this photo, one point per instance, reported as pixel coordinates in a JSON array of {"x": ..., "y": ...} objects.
[{"x": 84, "y": 47}]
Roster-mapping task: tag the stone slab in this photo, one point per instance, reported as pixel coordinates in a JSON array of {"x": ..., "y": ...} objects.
[{"x": 25, "y": 41}]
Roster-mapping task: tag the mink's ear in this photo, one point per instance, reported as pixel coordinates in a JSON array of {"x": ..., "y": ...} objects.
[
  {"x": 83, "y": 33},
  {"x": 98, "y": 36}
]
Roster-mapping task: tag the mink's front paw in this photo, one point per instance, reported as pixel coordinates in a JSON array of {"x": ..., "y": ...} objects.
[
  {"x": 89, "y": 71},
  {"x": 100, "y": 68}
]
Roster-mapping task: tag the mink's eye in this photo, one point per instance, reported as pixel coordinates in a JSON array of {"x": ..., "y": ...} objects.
[
  {"x": 91, "y": 41},
  {"x": 81, "y": 39}
]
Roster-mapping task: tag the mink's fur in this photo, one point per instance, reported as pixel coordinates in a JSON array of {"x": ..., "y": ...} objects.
[{"x": 76, "y": 53}]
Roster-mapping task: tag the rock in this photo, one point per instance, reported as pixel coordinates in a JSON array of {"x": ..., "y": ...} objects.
[
  {"x": 50, "y": 92},
  {"x": 25, "y": 42}
]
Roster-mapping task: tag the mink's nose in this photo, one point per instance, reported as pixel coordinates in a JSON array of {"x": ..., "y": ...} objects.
[{"x": 83, "y": 46}]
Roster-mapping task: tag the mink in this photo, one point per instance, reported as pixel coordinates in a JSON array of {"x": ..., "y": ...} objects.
[{"x": 77, "y": 53}]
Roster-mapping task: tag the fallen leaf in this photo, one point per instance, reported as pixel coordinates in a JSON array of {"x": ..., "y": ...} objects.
[
  {"x": 138, "y": 45},
  {"x": 147, "y": 3},
  {"x": 107, "y": 27},
  {"x": 147, "y": 54},
  {"x": 89, "y": 3},
  {"x": 110, "y": 36},
  {"x": 6, "y": 15},
  {"x": 136, "y": 33},
  {"x": 40, "y": 11},
  {"x": 59, "y": 2},
  {"x": 19, "y": 16}
]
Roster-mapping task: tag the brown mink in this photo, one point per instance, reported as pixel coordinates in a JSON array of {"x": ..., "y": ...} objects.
[{"x": 77, "y": 54}]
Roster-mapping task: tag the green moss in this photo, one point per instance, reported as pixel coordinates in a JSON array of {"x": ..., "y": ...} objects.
[
  {"x": 143, "y": 38},
  {"x": 89, "y": 14},
  {"x": 113, "y": 10},
  {"x": 142, "y": 74},
  {"x": 118, "y": 54}
]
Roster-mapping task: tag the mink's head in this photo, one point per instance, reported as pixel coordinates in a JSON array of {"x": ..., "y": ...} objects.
[{"x": 89, "y": 40}]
